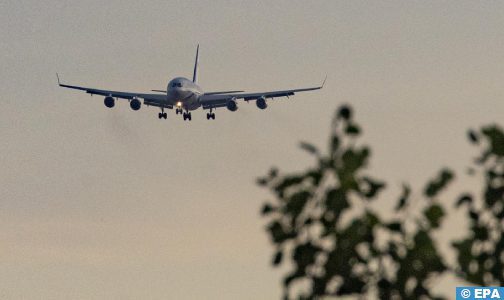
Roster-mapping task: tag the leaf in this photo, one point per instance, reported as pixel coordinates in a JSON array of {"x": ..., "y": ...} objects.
[
  {"x": 436, "y": 185},
  {"x": 466, "y": 198},
  {"x": 473, "y": 136},
  {"x": 395, "y": 226},
  {"x": 384, "y": 289},
  {"x": 496, "y": 137},
  {"x": 425, "y": 251},
  {"x": 351, "y": 285},
  {"x": 273, "y": 173},
  {"x": 393, "y": 251},
  {"x": 316, "y": 175},
  {"x": 464, "y": 253},
  {"x": 352, "y": 129},
  {"x": 278, "y": 232},
  {"x": 494, "y": 195},
  {"x": 434, "y": 214},
  {"x": 336, "y": 202},
  {"x": 474, "y": 215},
  {"x": 371, "y": 219},
  {"x": 353, "y": 159},
  {"x": 345, "y": 112},
  {"x": 277, "y": 259},
  {"x": 480, "y": 233},
  {"x": 296, "y": 203},
  {"x": 287, "y": 182},
  {"x": 310, "y": 148},
  {"x": 294, "y": 275},
  {"x": 373, "y": 187},
  {"x": 267, "y": 209},
  {"x": 262, "y": 181},
  {"x": 318, "y": 287},
  {"x": 403, "y": 201},
  {"x": 305, "y": 254}
]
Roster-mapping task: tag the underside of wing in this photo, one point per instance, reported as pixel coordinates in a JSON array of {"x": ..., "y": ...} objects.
[
  {"x": 209, "y": 101},
  {"x": 157, "y": 100}
]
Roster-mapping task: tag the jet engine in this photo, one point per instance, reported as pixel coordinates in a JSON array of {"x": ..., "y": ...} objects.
[
  {"x": 135, "y": 104},
  {"x": 231, "y": 105},
  {"x": 109, "y": 102},
  {"x": 261, "y": 103}
]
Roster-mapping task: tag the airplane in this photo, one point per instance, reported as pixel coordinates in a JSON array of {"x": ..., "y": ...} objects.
[{"x": 186, "y": 95}]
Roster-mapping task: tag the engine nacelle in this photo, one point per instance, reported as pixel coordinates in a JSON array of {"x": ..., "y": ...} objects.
[
  {"x": 109, "y": 102},
  {"x": 135, "y": 104},
  {"x": 231, "y": 105},
  {"x": 261, "y": 103}
]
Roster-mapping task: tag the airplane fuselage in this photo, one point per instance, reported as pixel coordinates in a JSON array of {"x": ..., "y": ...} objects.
[{"x": 184, "y": 93}]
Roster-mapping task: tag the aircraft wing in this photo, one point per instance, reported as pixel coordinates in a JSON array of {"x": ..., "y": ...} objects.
[
  {"x": 220, "y": 100},
  {"x": 149, "y": 99}
]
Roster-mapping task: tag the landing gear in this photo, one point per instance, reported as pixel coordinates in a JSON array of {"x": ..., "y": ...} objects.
[
  {"x": 178, "y": 111},
  {"x": 187, "y": 116},
  {"x": 162, "y": 114},
  {"x": 210, "y": 115}
]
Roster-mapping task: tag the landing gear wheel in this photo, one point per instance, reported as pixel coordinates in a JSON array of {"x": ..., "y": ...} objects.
[
  {"x": 160, "y": 115},
  {"x": 164, "y": 115},
  {"x": 184, "y": 116},
  {"x": 189, "y": 116},
  {"x": 212, "y": 115}
]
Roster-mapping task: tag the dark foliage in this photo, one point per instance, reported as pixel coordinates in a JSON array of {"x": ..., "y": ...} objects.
[
  {"x": 480, "y": 254},
  {"x": 322, "y": 223}
]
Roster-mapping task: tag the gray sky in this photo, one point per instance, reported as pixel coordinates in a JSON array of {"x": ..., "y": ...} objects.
[{"x": 115, "y": 204}]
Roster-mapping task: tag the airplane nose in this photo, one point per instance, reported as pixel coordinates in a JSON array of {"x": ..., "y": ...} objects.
[
  {"x": 180, "y": 93},
  {"x": 176, "y": 92}
]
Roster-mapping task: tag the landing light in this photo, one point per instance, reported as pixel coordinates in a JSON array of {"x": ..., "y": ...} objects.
[{"x": 179, "y": 104}]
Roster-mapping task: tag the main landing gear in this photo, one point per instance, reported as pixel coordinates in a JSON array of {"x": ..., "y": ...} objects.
[
  {"x": 162, "y": 114},
  {"x": 186, "y": 116},
  {"x": 210, "y": 115}
]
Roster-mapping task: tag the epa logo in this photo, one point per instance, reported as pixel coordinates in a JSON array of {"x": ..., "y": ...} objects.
[
  {"x": 479, "y": 293},
  {"x": 465, "y": 293}
]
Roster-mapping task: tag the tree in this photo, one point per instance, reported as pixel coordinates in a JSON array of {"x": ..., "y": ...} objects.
[{"x": 321, "y": 220}]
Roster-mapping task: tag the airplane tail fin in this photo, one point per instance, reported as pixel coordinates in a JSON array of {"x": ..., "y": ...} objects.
[{"x": 195, "y": 73}]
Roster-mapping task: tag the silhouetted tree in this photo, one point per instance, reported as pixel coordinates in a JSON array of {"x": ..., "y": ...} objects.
[
  {"x": 480, "y": 255},
  {"x": 322, "y": 221}
]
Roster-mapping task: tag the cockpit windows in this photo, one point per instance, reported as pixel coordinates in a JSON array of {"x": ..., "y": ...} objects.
[{"x": 176, "y": 84}]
